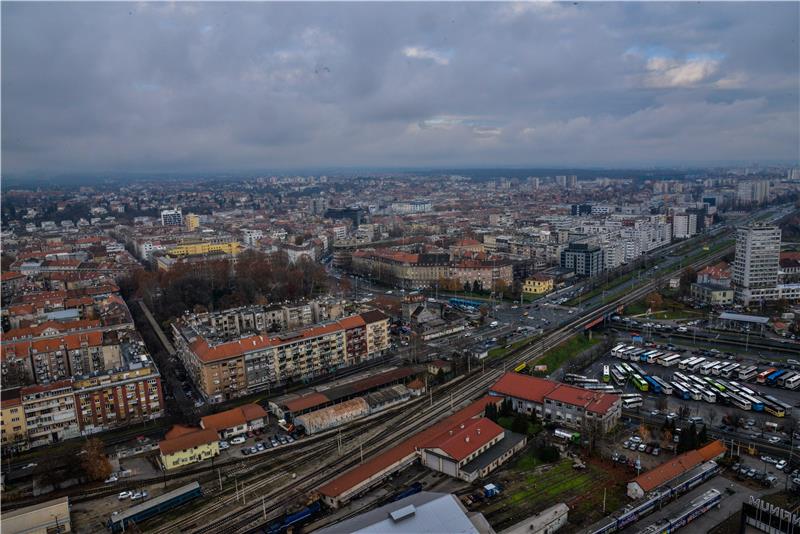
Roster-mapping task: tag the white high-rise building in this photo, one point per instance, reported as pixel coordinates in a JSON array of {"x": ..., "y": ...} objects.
[
  {"x": 172, "y": 217},
  {"x": 755, "y": 268}
]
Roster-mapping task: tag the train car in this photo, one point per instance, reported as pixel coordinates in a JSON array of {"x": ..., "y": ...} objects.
[
  {"x": 697, "y": 507},
  {"x": 762, "y": 376},
  {"x": 416, "y": 487},
  {"x": 747, "y": 373},
  {"x": 150, "y": 508},
  {"x": 287, "y": 522}
]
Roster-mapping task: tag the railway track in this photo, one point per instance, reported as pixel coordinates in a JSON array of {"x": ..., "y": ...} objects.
[{"x": 278, "y": 490}]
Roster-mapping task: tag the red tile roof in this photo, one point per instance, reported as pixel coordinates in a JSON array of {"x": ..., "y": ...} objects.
[
  {"x": 187, "y": 441},
  {"x": 677, "y": 466},
  {"x": 463, "y": 439},
  {"x": 233, "y": 417},
  {"x": 305, "y": 402},
  {"x": 404, "y": 449},
  {"x": 535, "y": 389},
  {"x": 523, "y": 387}
]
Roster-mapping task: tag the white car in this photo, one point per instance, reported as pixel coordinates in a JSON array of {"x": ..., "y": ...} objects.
[
  {"x": 224, "y": 445},
  {"x": 682, "y": 329},
  {"x": 139, "y": 495},
  {"x": 238, "y": 440},
  {"x": 110, "y": 480},
  {"x": 124, "y": 495},
  {"x": 781, "y": 465}
]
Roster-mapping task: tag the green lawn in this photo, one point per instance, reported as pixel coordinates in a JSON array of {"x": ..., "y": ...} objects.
[
  {"x": 499, "y": 352},
  {"x": 670, "y": 309},
  {"x": 555, "y": 357}
]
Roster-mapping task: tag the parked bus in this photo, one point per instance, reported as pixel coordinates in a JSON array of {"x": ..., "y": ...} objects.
[
  {"x": 616, "y": 351},
  {"x": 717, "y": 369},
  {"x": 773, "y": 409},
  {"x": 706, "y": 368},
  {"x": 632, "y": 402},
  {"x": 793, "y": 382},
  {"x": 695, "y": 364},
  {"x": 636, "y": 355},
  {"x": 762, "y": 376},
  {"x": 748, "y": 373},
  {"x": 680, "y": 391},
  {"x": 606, "y": 374},
  {"x": 740, "y": 402},
  {"x": 670, "y": 360},
  {"x": 755, "y": 404},
  {"x": 666, "y": 388},
  {"x": 686, "y": 363},
  {"x": 781, "y": 381},
  {"x": 655, "y": 387},
  {"x": 637, "y": 369},
  {"x": 787, "y": 408},
  {"x": 730, "y": 370},
  {"x": 773, "y": 377},
  {"x": 628, "y": 368},
  {"x": 682, "y": 377},
  {"x": 618, "y": 377},
  {"x": 723, "y": 398},
  {"x": 708, "y": 396},
  {"x": 640, "y": 383},
  {"x": 653, "y": 357}
]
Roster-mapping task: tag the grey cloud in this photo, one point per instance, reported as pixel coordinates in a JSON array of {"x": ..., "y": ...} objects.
[{"x": 223, "y": 87}]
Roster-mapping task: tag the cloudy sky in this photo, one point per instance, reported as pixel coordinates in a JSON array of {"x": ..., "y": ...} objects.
[{"x": 226, "y": 87}]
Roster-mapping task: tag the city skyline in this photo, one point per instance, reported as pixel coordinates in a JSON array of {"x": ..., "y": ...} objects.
[{"x": 215, "y": 88}]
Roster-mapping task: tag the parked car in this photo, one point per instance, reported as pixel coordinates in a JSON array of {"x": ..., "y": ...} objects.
[
  {"x": 656, "y": 451},
  {"x": 110, "y": 480},
  {"x": 781, "y": 465},
  {"x": 774, "y": 439},
  {"x": 224, "y": 445},
  {"x": 642, "y": 447},
  {"x": 246, "y": 450},
  {"x": 260, "y": 447},
  {"x": 238, "y": 440},
  {"x": 139, "y": 495},
  {"x": 626, "y": 444},
  {"x": 124, "y": 495}
]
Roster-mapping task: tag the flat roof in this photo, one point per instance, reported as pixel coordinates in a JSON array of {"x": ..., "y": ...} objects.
[
  {"x": 727, "y": 316},
  {"x": 423, "y": 513},
  {"x": 509, "y": 441}
]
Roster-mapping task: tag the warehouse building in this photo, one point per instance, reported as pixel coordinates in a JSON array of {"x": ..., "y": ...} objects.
[{"x": 675, "y": 468}]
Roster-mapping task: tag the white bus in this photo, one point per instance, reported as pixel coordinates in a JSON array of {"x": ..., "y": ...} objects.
[
  {"x": 730, "y": 370},
  {"x": 748, "y": 373},
  {"x": 705, "y": 369},
  {"x": 687, "y": 362},
  {"x": 793, "y": 382},
  {"x": 781, "y": 381},
  {"x": 653, "y": 356},
  {"x": 616, "y": 351},
  {"x": 695, "y": 364},
  {"x": 708, "y": 396},
  {"x": 632, "y": 402},
  {"x": 717, "y": 369},
  {"x": 669, "y": 361}
]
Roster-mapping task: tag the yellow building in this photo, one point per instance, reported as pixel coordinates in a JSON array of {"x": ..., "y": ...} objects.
[
  {"x": 192, "y": 222},
  {"x": 12, "y": 420},
  {"x": 204, "y": 247},
  {"x": 185, "y": 445},
  {"x": 538, "y": 284}
]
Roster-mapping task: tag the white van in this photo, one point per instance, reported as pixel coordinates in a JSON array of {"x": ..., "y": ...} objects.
[{"x": 494, "y": 324}]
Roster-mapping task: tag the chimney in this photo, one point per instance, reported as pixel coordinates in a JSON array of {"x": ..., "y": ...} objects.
[
  {"x": 479, "y": 431},
  {"x": 462, "y": 426},
  {"x": 466, "y": 439}
]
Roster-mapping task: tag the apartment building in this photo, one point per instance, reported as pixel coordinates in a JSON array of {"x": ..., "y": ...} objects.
[
  {"x": 584, "y": 259},
  {"x": 50, "y": 414},
  {"x": 757, "y": 261},
  {"x": 12, "y": 421},
  {"x": 118, "y": 398},
  {"x": 232, "y": 368}
]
